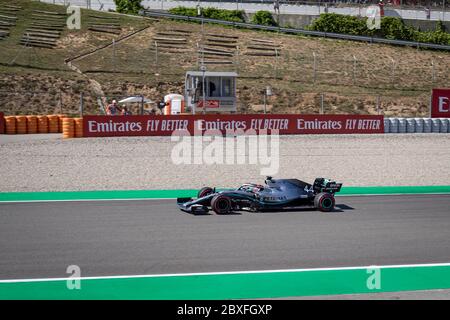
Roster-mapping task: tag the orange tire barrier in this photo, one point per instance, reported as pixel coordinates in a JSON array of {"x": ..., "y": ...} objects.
[
  {"x": 32, "y": 124},
  {"x": 60, "y": 118},
  {"x": 68, "y": 128},
  {"x": 21, "y": 124},
  {"x": 78, "y": 127},
  {"x": 10, "y": 125},
  {"x": 53, "y": 124},
  {"x": 42, "y": 124}
]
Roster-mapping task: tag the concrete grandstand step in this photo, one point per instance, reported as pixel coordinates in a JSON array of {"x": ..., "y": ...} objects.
[
  {"x": 222, "y": 40},
  {"x": 104, "y": 30},
  {"x": 217, "y": 62},
  {"x": 173, "y": 34},
  {"x": 42, "y": 34},
  {"x": 8, "y": 17},
  {"x": 38, "y": 44},
  {"x": 212, "y": 44},
  {"x": 222, "y": 36},
  {"x": 213, "y": 53},
  {"x": 260, "y": 54},
  {"x": 50, "y": 13},
  {"x": 54, "y": 32},
  {"x": 170, "y": 39}
]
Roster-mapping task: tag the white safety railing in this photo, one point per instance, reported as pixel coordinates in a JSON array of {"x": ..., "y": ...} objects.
[{"x": 285, "y": 7}]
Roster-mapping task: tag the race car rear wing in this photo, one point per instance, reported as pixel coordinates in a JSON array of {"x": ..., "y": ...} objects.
[
  {"x": 332, "y": 187},
  {"x": 325, "y": 185}
]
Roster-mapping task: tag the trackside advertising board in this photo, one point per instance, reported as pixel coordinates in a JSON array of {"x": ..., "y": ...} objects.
[
  {"x": 151, "y": 125},
  {"x": 440, "y": 103},
  {"x": 2, "y": 123}
]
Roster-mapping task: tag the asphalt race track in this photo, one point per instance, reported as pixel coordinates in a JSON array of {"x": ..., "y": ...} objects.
[{"x": 104, "y": 238}]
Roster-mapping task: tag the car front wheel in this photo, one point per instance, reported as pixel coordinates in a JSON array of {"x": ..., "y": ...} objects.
[
  {"x": 205, "y": 191},
  {"x": 221, "y": 204}
]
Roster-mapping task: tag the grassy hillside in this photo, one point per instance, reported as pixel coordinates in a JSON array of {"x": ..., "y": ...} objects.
[
  {"x": 36, "y": 80},
  {"x": 350, "y": 74}
]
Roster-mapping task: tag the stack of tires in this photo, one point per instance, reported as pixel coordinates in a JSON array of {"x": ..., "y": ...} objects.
[
  {"x": 21, "y": 124},
  {"x": 419, "y": 125},
  {"x": 42, "y": 124},
  {"x": 68, "y": 128},
  {"x": 427, "y": 125},
  {"x": 53, "y": 124},
  {"x": 78, "y": 127},
  {"x": 60, "y": 121},
  {"x": 32, "y": 124},
  {"x": 10, "y": 125},
  {"x": 445, "y": 125},
  {"x": 416, "y": 125}
]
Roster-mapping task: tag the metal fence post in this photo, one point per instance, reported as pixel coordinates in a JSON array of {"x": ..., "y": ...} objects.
[
  {"x": 81, "y": 104},
  {"x": 354, "y": 69},
  {"x": 265, "y": 103},
  {"x": 60, "y": 102},
  {"x": 315, "y": 73},
  {"x": 276, "y": 63},
  {"x": 378, "y": 104},
  {"x": 433, "y": 75},
  {"x": 443, "y": 10},
  {"x": 114, "y": 55},
  {"x": 198, "y": 55},
  {"x": 237, "y": 59},
  {"x": 321, "y": 103},
  {"x": 156, "y": 57},
  {"x": 430, "y": 104},
  {"x": 393, "y": 71}
]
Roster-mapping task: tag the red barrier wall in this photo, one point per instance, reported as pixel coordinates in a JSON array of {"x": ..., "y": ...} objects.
[
  {"x": 440, "y": 103},
  {"x": 109, "y": 126},
  {"x": 2, "y": 123}
]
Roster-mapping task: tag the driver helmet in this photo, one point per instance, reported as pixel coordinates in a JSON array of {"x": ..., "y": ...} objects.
[{"x": 258, "y": 188}]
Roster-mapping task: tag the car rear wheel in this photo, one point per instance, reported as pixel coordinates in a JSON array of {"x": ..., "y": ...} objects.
[
  {"x": 221, "y": 204},
  {"x": 203, "y": 192},
  {"x": 324, "y": 202}
]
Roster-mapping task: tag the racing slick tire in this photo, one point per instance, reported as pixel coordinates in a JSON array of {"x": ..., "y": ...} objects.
[
  {"x": 324, "y": 202},
  {"x": 221, "y": 204},
  {"x": 205, "y": 191}
]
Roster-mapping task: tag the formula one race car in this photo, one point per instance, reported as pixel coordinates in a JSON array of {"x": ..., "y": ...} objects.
[{"x": 277, "y": 194}]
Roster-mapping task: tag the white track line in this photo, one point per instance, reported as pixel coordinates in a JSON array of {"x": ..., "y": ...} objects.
[
  {"x": 445, "y": 264},
  {"x": 84, "y": 200},
  {"x": 149, "y": 199}
]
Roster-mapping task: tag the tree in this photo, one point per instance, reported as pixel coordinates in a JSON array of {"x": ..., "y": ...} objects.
[
  {"x": 128, "y": 6},
  {"x": 264, "y": 18}
]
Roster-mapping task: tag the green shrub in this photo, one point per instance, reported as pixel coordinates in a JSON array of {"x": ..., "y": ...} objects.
[
  {"x": 436, "y": 37},
  {"x": 128, "y": 6},
  {"x": 211, "y": 13},
  {"x": 391, "y": 28},
  {"x": 221, "y": 14},
  {"x": 337, "y": 23},
  {"x": 184, "y": 11},
  {"x": 264, "y": 18},
  {"x": 395, "y": 28},
  {"x": 440, "y": 26}
]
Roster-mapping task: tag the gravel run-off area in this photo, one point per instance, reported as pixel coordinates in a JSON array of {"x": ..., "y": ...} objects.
[{"x": 49, "y": 163}]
